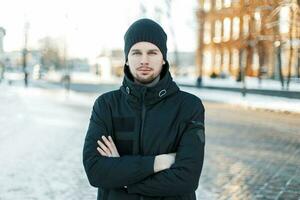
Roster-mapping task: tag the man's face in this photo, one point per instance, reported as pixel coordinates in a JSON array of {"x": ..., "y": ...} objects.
[{"x": 145, "y": 62}]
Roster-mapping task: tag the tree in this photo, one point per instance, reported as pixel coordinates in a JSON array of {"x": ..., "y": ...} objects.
[
  {"x": 52, "y": 54},
  {"x": 294, "y": 11}
]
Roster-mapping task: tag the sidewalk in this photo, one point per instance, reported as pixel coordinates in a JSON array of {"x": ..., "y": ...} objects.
[
  {"x": 267, "y": 95},
  {"x": 90, "y": 83},
  {"x": 252, "y": 101}
]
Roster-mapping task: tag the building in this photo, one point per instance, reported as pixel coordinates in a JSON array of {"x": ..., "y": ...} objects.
[
  {"x": 109, "y": 64},
  {"x": 243, "y": 37}
]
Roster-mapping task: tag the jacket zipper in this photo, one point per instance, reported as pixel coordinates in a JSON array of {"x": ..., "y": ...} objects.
[
  {"x": 143, "y": 121},
  {"x": 142, "y": 127}
]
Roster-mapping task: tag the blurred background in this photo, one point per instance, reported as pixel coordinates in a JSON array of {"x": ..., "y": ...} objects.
[{"x": 241, "y": 57}]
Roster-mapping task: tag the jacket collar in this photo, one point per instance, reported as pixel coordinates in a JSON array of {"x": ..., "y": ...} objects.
[{"x": 150, "y": 95}]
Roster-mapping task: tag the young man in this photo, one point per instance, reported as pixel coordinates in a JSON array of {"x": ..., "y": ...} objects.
[{"x": 145, "y": 140}]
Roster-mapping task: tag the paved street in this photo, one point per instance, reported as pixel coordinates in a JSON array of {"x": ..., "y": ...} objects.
[{"x": 249, "y": 154}]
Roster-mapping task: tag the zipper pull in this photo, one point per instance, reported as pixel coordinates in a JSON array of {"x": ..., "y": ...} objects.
[{"x": 144, "y": 91}]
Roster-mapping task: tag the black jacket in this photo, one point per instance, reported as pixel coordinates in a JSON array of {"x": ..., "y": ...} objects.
[{"x": 145, "y": 122}]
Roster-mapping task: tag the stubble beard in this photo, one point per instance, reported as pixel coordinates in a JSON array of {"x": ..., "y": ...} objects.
[{"x": 145, "y": 80}]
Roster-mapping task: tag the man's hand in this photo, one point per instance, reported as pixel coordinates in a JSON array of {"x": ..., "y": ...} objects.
[
  {"x": 107, "y": 147},
  {"x": 164, "y": 161}
]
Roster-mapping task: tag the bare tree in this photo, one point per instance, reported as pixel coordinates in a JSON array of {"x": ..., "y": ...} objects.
[
  {"x": 169, "y": 16},
  {"x": 51, "y": 53},
  {"x": 143, "y": 9},
  {"x": 294, "y": 10}
]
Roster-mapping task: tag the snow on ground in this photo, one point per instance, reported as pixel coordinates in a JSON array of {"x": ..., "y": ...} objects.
[
  {"x": 81, "y": 77},
  {"x": 251, "y": 83},
  {"x": 41, "y": 139},
  {"x": 280, "y": 104}
]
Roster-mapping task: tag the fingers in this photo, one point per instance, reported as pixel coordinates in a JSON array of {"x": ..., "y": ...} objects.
[
  {"x": 107, "y": 143},
  {"x": 104, "y": 148},
  {"x": 101, "y": 151},
  {"x": 110, "y": 146},
  {"x": 107, "y": 147}
]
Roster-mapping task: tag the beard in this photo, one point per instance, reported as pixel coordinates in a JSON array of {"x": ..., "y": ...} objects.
[{"x": 145, "y": 80}]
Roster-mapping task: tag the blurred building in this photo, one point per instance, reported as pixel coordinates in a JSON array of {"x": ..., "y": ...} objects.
[
  {"x": 185, "y": 63},
  {"x": 13, "y": 60},
  {"x": 243, "y": 37},
  {"x": 78, "y": 64},
  {"x": 109, "y": 63}
]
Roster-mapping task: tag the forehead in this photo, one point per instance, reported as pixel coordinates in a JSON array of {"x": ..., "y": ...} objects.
[{"x": 144, "y": 46}]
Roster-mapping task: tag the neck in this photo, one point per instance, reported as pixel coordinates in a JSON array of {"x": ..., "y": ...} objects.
[{"x": 151, "y": 84}]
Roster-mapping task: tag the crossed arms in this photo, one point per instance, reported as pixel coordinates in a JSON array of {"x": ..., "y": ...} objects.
[
  {"x": 108, "y": 148},
  {"x": 156, "y": 175}
]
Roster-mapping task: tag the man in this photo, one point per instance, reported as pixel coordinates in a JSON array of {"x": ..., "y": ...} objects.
[{"x": 145, "y": 140}]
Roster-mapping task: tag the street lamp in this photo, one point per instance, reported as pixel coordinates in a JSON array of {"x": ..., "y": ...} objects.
[{"x": 25, "y": 52}]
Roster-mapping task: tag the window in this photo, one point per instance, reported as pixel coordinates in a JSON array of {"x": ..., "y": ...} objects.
[
  {"x": 207, "y": 33},
  {"x": 207, "y": 61},
  {"x": 284, "y": 18},
  {"x": 246, "y": 24},
  {"x": 218, "y": 31},
  {"x": 219, "y": 4},
  {"x": 218, "y": 61},
  {"x": 227, "y": 3},
  {"x": 226, "y": 29},
  {"x": 235, "y": 28},
  {"x": 207, "y": 5},
  {"x": 235, "y": 59},
  {"x": 226, "y": 60},
  {"x": 257, "y": 18}
]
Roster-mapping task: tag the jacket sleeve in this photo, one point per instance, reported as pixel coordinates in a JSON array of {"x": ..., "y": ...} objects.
[
  {"x": 183, "y": 176},
  {"x": 110, "y": 172}
]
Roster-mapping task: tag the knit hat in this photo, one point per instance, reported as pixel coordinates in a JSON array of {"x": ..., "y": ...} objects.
[{"x": 146, "y": 30}]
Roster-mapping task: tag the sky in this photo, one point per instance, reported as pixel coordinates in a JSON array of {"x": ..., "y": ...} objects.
[{"x": 92, "y": 25}]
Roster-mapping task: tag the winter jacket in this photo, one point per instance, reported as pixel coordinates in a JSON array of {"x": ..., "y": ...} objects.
[{"x": 145, "y": 122}]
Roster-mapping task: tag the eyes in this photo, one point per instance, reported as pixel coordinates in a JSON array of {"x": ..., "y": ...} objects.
[{"x": 140, "y": 53}]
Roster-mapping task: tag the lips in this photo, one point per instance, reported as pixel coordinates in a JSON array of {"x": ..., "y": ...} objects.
[{"x": 144, "y": 69}]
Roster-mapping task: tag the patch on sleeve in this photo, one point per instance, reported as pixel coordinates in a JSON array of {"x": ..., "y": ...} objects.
[{"x": 197, "y": 123}]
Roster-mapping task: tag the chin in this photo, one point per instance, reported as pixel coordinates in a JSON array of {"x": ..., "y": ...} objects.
[{"x": 145, "y": 80}]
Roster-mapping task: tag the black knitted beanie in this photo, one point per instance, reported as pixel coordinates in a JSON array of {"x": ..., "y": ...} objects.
[{"x": 146, "y": 30}]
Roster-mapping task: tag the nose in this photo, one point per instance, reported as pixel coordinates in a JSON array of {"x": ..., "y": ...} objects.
[{"x": 144, "y": 60}]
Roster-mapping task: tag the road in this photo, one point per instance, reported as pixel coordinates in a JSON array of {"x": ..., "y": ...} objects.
[{"x": 250, "y": 154}]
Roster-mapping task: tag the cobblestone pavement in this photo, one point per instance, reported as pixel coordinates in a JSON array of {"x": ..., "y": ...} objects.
[{"x": 251, "y": 154}]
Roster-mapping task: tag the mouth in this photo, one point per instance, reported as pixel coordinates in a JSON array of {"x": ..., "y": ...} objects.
[{"x": 144, "y": 69}]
